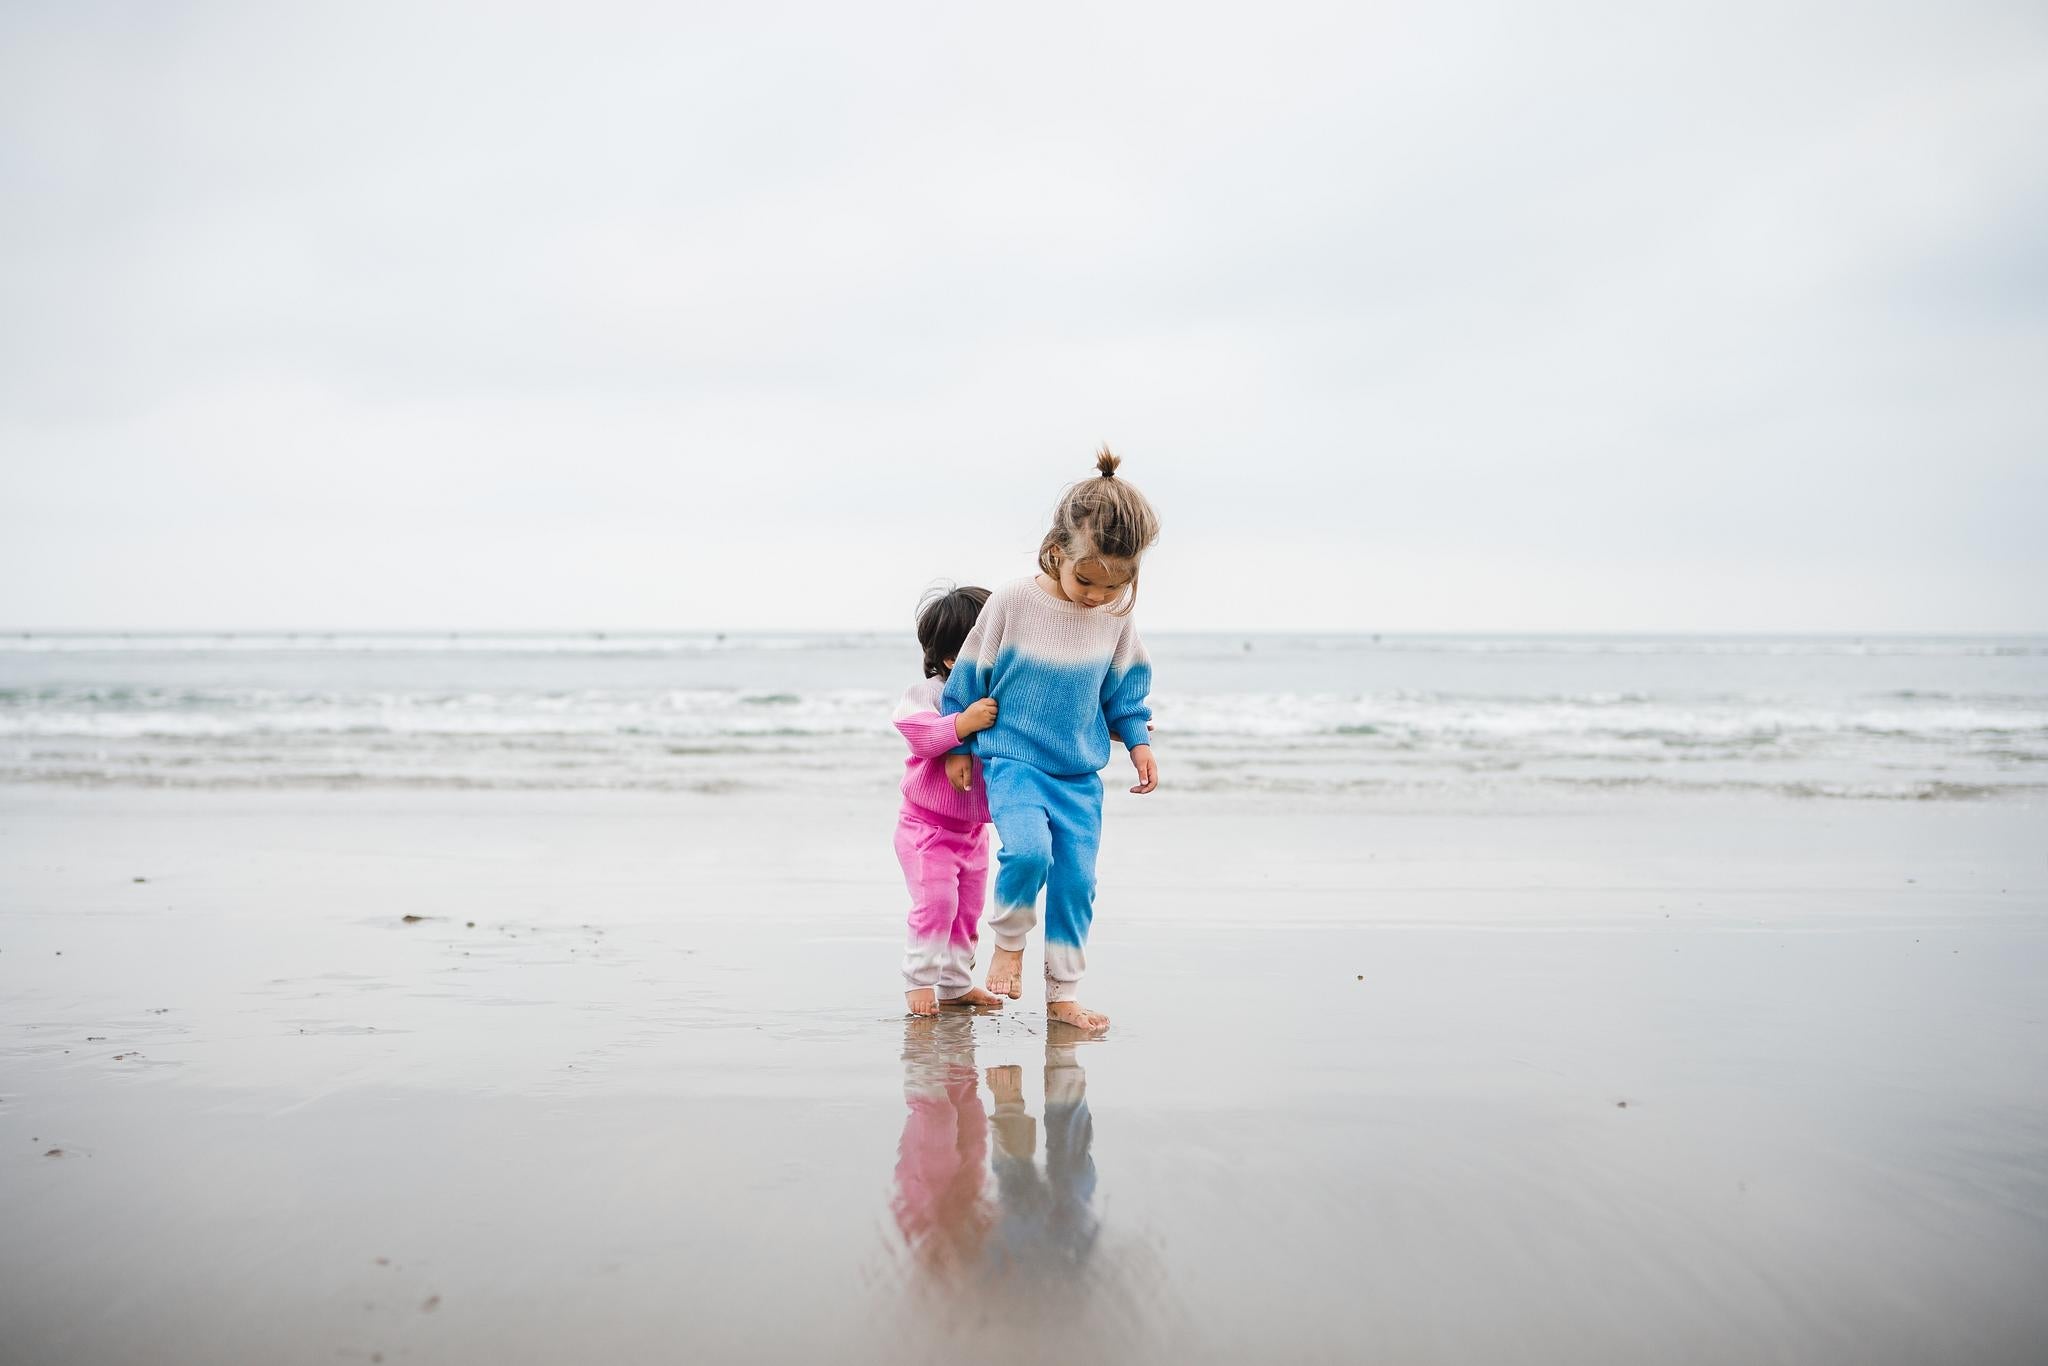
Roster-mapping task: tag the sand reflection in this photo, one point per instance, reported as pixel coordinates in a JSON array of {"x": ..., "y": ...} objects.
[
  {"x": 942, "y": 1203},
  {"x": 990, "y": 1194},
  {"x": 1047, "y": 1225},
  {"x": 1005, "y": 1255}
]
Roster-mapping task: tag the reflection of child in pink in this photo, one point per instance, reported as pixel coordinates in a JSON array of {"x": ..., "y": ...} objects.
[
  {"x": 941, "y": 1202},
  {"x": 942, "y": 832}
]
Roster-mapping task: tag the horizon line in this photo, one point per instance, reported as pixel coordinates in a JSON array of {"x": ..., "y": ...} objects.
[{"x": 600, "y": 633}]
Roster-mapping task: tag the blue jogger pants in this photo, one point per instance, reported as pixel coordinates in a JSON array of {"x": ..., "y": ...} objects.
[{"x": 1050, "y": 828}]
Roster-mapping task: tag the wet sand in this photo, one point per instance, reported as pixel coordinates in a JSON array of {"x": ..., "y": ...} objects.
[{"x": 1700, "y": 1080}]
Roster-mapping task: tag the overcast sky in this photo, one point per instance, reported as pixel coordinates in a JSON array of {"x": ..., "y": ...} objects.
[{"x": 1407, "y": 316}]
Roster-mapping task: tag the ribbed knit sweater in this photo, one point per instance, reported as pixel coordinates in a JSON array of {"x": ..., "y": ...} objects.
[
  {"x": 932, "y": 737},
  {"x": 1065, "y": 678}
]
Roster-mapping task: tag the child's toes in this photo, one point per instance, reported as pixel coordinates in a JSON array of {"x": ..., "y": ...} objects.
[
  {"x": 1080, "y": 1017},
  {"x": 1005, "y": 977}
]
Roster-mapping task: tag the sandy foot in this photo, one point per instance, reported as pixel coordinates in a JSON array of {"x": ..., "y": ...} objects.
[
  {"x": 1077, "y": 1015},
  {"x": 975, "y": 998},
  {"x": 1006, "y": 973}
]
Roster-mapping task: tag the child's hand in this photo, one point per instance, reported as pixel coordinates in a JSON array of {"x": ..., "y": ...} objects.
[
  {"x": 980, "y": 716},
  {"x": 1148, "y": 772},
  {"x": 960, "y": 770}
]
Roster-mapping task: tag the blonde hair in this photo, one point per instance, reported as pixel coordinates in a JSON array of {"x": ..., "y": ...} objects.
[{"x": 1103, "y": 518}]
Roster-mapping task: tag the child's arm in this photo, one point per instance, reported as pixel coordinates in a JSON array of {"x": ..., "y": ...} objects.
[
  {"x": 1126, "y": 690},
  {"x": 931, "y": 734},
  {"x": 1126, "y": 707},
  {"x": 970, "y": 680},
  {"x": 978, "y": 717}
]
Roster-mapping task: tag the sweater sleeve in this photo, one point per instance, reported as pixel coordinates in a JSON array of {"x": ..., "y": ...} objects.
[
  {"x": 1127, "y": 689},
  {"x": 929, "y": 733},
  {"x": 973, "y": 668}
]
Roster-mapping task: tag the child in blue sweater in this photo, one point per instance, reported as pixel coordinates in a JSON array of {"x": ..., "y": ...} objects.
[{"x": 1060, "y": 655}]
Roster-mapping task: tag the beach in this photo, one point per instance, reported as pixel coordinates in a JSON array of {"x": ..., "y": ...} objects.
[
  {"x": 494, "y": 500},
  {"x": 383, "y": 1074}
]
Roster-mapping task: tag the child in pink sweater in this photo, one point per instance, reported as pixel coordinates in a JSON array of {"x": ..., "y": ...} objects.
[{"x": 942, "y": 832}]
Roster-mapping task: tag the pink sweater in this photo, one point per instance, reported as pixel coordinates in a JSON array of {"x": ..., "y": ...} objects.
[{"x": 924, "y": 774}]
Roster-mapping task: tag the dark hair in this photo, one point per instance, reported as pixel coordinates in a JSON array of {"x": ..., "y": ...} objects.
[{"x": 943, "y": 620}]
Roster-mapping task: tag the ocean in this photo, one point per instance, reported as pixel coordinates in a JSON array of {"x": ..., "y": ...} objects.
[{"x": 1825, "y": 717}]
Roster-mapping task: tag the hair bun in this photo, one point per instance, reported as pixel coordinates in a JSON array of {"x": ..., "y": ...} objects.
[{"x": 1105, "y": 463}]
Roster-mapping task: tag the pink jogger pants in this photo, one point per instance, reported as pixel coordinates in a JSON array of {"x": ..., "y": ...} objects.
[{"x": 947, "y": 872}]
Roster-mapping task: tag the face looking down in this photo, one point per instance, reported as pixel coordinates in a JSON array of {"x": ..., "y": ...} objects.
[{"x": 1093, "y": 582}]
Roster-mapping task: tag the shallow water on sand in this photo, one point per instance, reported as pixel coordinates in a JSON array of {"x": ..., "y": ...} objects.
[{"x": 1708, "y": 1082}]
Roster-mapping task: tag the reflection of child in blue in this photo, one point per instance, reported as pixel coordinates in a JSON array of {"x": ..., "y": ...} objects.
[
  {"x": 1041, "y": 1224},
  {"x": 1047, "y": 1223}
]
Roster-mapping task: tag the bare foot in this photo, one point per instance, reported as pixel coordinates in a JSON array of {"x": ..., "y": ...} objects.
[
  {"x": 975, "y": 997},
  {"x": 1077, "y": 1015},
  {"x": 1006, "y": 973},
  {"x": 922, "y": 1001}
]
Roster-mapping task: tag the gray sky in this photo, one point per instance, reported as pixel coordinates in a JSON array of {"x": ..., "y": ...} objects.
[{"x": 1407, "y": 316}]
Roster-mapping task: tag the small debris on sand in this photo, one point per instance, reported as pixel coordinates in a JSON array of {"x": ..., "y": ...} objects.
[
  {"x": 54, "y": 1152},
  {"x": 412, "y": 919},
  {"x": 433, "y": 1302},
  {"x": 469, "y": 924},
  {"x": 1621, "y": 1105},
  {"x": 142, "y": 879}
]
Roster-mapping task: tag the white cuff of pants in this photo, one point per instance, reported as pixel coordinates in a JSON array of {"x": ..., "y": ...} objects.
[
  {"x": 1065, "y": 1084},
  {"x": 1064, "y": 966}
]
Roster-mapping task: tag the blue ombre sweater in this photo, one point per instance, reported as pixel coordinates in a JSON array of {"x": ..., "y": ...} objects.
[{"x": 1065, "y": 678}]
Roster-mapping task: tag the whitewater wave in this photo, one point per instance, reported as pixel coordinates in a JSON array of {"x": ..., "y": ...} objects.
[
  {"x": 1600, "y": 719},
  {"x": 1936, "y": 719}
]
